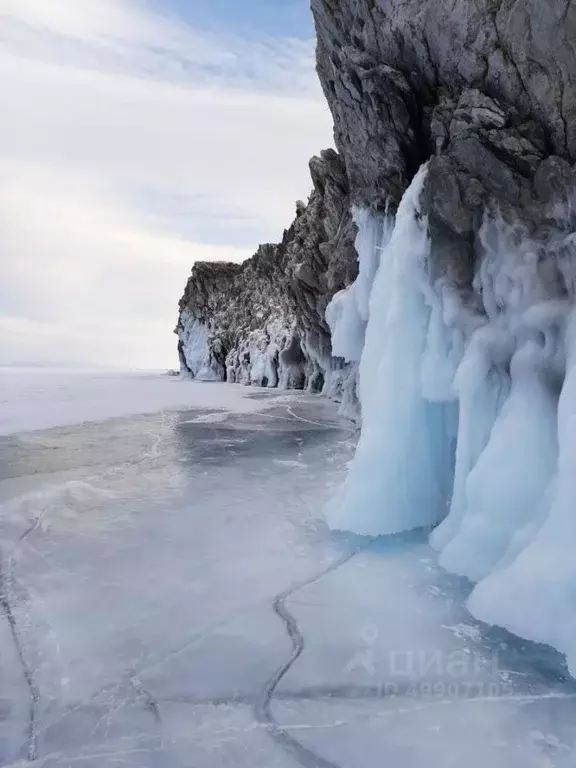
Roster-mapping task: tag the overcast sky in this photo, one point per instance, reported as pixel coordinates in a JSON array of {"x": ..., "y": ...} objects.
[{"x": 136, "y": 137}]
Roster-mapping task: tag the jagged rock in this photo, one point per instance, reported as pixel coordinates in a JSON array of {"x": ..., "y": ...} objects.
[
  {"x": 262, "y": 322},
  {"x": 519, "y": 52},
  {"x": 469, "y": 356},
  {"x": 483, "y": 90}
]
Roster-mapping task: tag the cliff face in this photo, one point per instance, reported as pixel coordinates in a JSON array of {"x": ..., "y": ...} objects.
[
  {"x": 481, "y": 90},
  {"x": 485, "y": 90},
  {"x": 263, "y": 322},
  {"x": 461, "y": 117},
  {"x": 455, "y": 125}
]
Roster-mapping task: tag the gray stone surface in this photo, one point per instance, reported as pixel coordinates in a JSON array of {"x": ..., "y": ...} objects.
[
  {"x": 280, "y": 295},
  {"x": 385, "y": 65},
  {"x": 483, "y": 89}
]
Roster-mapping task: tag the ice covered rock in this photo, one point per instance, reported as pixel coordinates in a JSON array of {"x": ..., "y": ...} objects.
[
  {"x": 456, "y": 136},
  {"x": 467, "y": 404},
  {"x": 201, "y": 360},
  {"x": 263, "y": 322},
  {"x": 483, "y": 94},
  {"x": 505, "y": 487}
]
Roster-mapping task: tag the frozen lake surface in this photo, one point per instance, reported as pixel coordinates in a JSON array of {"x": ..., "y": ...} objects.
[
  {"x": 172, "y": 597},
  {"x": 32, "y": 399}
]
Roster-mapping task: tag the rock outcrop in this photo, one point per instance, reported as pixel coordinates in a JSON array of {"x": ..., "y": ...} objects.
[
  {"x": 460, "y": 117},
  {"x": 262, "y": 322},
  {"x": 485, "y": 90},
  {"x": 455, "y": 126}
]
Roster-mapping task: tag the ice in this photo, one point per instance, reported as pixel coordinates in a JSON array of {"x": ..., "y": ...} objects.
[
  {"x": 259, "y": 359},
  {"x": 346, "y": 326},
  {"x": 401, "y": 475},
  {"x": 144, "y": 570},
  {"x": 194, "y": 336},
  {"x": 39, "y": 399},
  {"x": 348, "y": 312},
  {"x": 394, "y": 674},
  {"x": 505, "y": 488},
  {"x": 482, "y": 387},
  {"x": 445, "y": 344},
  {"x": 468, "y": 415},
  {"x": 505, "y": 496},
  {"x": 374, "y": 231},
  {"x": 52, "y": 504},
  {"x": 178, "y": 600},
  {"x": 534, "y": 595},
  {"x": 341, "y": 385}
]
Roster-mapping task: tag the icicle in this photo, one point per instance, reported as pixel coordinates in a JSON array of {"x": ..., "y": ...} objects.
[
  {"x": 505, "y": 488},
  {"x": 348, "y": 312},
  {"x": 511, "y": 524},
  {"x": 534, "y": 595},
  {"x": 401, "y": 475},
  {"x": 482, "y": 386}
]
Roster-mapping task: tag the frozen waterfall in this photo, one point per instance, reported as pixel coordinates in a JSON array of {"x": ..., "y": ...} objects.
[
  {"x": 468, "y": 414},
  {"x": 401, "y": 474},
  {"x": 348, "y": 312}
]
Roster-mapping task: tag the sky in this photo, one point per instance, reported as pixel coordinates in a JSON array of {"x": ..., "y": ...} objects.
[{"x": 139, "y": 136}]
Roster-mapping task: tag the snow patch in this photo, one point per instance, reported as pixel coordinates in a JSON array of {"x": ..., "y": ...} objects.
[{"x": 208, "y": 418}]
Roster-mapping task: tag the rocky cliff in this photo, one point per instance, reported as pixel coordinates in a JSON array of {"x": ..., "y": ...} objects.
[
  {"x": 461, "y": 117},
  {"x": 455, "y": 125},
  {"x": 482, "y": 89},
  {"x": 263, "y": 322}
]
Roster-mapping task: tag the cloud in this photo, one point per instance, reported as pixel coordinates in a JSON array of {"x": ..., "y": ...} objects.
[{"x": 132, "y": 146}]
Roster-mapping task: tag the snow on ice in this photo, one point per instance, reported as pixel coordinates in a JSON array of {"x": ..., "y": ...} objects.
[
  {"x": 44, "y": 398},
  {"x": 469, "y": 417}
]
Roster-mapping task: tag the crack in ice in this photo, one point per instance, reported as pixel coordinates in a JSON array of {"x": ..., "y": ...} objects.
[{"x": 262, "y": 707}]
